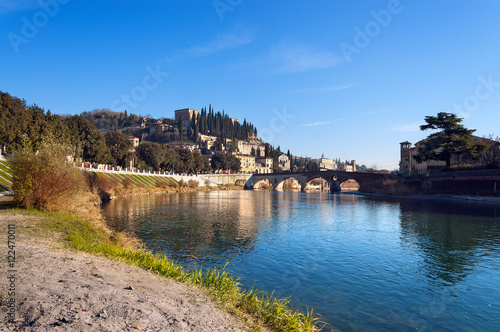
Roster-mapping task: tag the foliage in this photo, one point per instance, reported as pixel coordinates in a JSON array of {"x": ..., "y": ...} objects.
[
  {"x": 151, "y": 153},
  {"x": 87, "y": 140},
  {"x": 23, "y": 126},
  {"x": 45, "y": 180},
  {"x": 453, "y": 138},
  {"x": 491, "y": 157},
  {"x": 119, "y": 146},
  {"x": 226, "y": 162}
]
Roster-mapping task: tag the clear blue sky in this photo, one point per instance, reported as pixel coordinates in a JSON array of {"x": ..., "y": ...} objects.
[{"x": 350, "y": 79}]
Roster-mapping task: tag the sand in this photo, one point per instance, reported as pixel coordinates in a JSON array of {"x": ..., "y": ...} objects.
[{"x": 58, "y": 289}]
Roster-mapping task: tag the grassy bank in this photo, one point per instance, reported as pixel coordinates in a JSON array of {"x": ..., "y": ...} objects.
[{"x": 257, "y": 308}]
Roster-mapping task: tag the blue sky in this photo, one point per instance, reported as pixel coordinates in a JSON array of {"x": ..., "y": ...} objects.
[{"x": 350, "y": 79}]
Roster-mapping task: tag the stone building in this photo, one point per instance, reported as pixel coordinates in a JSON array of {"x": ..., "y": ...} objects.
[
  {"x": 187, "y": 115},
  {"x": 326, "y": 164},
  {"x": 284, "y": 162},
  {"x": 245, "y": 148}
]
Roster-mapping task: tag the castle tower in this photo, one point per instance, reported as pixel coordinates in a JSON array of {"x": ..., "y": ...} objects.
[{"x": 405, "y": 163}]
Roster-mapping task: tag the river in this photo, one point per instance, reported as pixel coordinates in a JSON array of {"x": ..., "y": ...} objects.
[{"x": 363, "y": 263}]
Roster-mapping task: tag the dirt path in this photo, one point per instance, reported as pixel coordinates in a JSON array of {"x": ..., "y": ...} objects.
[{"x": 62, "y": 290}]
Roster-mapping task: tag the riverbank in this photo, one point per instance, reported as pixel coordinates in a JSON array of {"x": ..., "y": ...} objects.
[
  {"x": 433, "y": 196},
  {"x": 60, "y": 289},
  {"x": 46, "y": 268}
]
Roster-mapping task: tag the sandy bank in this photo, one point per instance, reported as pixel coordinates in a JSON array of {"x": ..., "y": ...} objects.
[{"x": 62, "y": 290}]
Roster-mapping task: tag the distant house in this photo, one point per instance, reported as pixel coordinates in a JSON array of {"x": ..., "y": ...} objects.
[
  {"x": 134, "y": 140},
  {"x": 155, "y": 125},
  {"x": 263, "y": 165},
  {"x": 284, "y": 162},
  {"x": 326, "y": 164},
  {"x": 247, "y": 163}
]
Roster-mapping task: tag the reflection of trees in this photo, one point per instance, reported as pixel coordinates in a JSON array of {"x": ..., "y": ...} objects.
[
  {"x": 201, "y": 227},
  {"x": 447, "y": 235}
]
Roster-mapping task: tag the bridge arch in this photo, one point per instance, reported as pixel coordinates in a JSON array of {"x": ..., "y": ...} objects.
[
  {"x": 293, "y": 182},
  {"x": 317, "y": 183},
  {"x": 349, "y": 184},
  {"x": 261, "y": 184}
]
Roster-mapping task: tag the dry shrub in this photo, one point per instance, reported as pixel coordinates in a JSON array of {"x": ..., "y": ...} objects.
[
  {"x": 161, "y": 183},
  {"x": 193, "y": 184},
  {"x": 182, "y": 183},
  {"x": 105, "y": 182},
  {"x": 44, "y": 180},
  {"x": 387, "y": 187},
  {"x": 127, "y": 183}
]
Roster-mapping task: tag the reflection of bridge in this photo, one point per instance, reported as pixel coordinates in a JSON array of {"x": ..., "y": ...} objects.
[{"x": 333, "y": 178}]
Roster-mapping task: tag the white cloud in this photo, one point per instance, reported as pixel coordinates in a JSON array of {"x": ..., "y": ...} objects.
[
  {"x": 293, "y": 58},
  {"x": 408, "y": 128},
  {"x": 326, "y": 89},
  {"x": 9, "y": 5},
  {"x": 221, "y": 43},
  {"x": 315, "y": 124}
]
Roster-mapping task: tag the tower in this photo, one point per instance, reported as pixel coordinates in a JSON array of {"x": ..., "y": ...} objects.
[{"x": 405, "y": 163}]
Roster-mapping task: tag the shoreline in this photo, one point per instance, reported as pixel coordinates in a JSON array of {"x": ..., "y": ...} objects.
[
  {"x": 60, "y": 288},
  {"x": 432, "y": 196}
]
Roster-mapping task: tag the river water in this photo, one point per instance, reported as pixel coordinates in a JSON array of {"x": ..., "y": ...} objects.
[{"x": 363, "y": 263}]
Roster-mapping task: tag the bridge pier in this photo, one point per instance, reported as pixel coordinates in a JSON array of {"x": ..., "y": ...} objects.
[{"x": 334, "y": 187}]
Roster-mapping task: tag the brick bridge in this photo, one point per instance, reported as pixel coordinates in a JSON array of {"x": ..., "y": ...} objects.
[{"x": 333, "y": 178}]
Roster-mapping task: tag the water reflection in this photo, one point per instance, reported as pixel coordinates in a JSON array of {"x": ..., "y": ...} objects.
[
  {"x": 448, "y": 235},
  {"x": 364, "y": 263}
]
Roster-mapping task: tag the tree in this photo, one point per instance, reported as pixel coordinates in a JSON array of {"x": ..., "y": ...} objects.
[
  {"x": 491, "y": 157},
  {"x": 87, "y": 139},
  {"x": 119, "y": 146},
  {"x": 151, "y": 153},
  {"x": 453, "y": 138}
]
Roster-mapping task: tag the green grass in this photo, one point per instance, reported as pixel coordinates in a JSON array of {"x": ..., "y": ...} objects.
[
  {"x": 138, "y": 180},
  {"x": 262, "y": 308},
  {"x": 4, "y": 166}
]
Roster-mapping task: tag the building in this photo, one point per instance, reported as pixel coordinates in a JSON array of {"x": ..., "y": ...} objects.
[
  {"x": 347, "y": 167},
  {"x": 408, "y": 164},
  {"x": 247, "y": 163},
  {"x": 246, "y": 148},
  {"x": 263, "y": 165},
  {"x": 153, "y": 126},
  {"x": 186, "y": 114},
  {"x": 134, "y": 140},
  {"x": 326, "y": 164},
  {"x": 284, "y": 162}
]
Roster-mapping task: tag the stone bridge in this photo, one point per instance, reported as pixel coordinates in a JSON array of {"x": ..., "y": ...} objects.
[{"x": 333, "y": 178}]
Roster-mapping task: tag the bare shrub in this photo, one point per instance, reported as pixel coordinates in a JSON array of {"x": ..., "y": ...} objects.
[
  {"x": 127, "y": 183},
  {"x": 193, "y": 183},
  {"x": 105, "y": 182},
  {"x": 44, "y": 180},
  {"x": 182, "y": 183},
  {"x": 161, "y": 183},
  {"x": 207, "y": 183}
]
